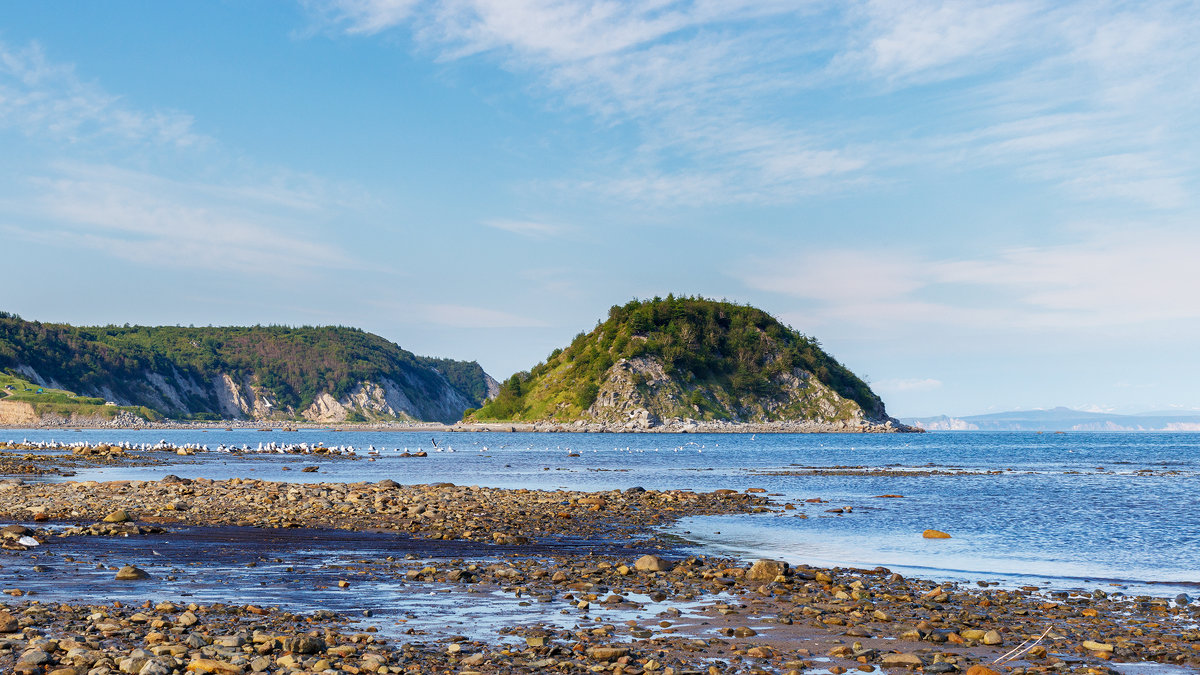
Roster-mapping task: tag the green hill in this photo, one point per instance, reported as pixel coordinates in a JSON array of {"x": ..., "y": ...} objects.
[
  {"x": 686, "y": 358},
  {"x": 259, "y": 372},
  {"x": 47, "y": 402}
]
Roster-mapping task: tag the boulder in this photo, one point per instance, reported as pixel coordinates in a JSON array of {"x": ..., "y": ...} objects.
[
  {"x": 767, "y": 570},
  {"x": 158, "y": 666},
  {"x": 35, "y": 657},
  {"x": 131, "y": 573},
  {"x": 213, "y": 666},
  {"x": 305, "y": 644},
  {"x": 902, "y": 661},
  {"x": 607, "y": 653},
  {"x": 118, "y": 516},
  {"x": 652, "y": 563}
]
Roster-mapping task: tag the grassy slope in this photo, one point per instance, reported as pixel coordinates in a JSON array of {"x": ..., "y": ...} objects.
[
  {"x": 720, "y": 357},
  {"x": 63, "y": 402}
]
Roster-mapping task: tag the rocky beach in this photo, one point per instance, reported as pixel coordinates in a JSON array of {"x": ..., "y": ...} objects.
[{"x": 243, "y": 575}]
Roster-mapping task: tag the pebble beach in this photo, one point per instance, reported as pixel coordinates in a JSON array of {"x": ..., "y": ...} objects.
[{"x": 310, "y": 575}]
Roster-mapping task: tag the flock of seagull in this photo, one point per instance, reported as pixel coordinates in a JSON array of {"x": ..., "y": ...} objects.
[
  {"x": 245, "y": 448},
  {"x": 288, "y": 448}
]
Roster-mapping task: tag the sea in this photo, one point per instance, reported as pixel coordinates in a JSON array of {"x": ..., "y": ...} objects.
[{"x": 1118, "y": 512}]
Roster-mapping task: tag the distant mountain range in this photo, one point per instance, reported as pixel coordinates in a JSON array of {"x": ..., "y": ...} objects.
[{"x": 1061, "y": 419}]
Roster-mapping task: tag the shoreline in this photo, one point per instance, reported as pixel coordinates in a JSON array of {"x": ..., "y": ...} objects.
[
  {"x": 632, "y": 599},
  {"x": 688, "y": 426}
]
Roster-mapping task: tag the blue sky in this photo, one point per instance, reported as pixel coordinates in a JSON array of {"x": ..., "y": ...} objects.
[{"x": 976, "y": 205}]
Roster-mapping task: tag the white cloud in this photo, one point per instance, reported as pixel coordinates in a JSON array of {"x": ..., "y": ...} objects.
[
  {"x": 189, "y": 204},
  {"x": 681, "y": 71},
  {"x": 44, "y": 99},
  {"x": 906, "y": 385},
  {"x": 770, "y": 101},
  {"x": 527, "y": 228},
  {"x": 840, "y": 277},
  {"x": 1104, "y": 279},
  {"x": 1098, "y": 99},
  {"x": 359, "y": 17},
  {"x": 913, "y": 38},
  {"x": 1126, "y": 277},
  {"x": 150, "y": 220}
]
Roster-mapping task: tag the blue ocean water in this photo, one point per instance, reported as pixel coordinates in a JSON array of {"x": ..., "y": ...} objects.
[{"x": 1119, "y": 511}]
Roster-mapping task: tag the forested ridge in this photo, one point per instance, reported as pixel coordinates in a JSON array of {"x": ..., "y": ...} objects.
[{"x": 293, "y": 364}]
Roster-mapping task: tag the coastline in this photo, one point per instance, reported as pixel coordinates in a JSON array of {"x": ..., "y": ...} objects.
[
  {"x": 633, "y": 600},
  {"x": 686, "y": 426}
]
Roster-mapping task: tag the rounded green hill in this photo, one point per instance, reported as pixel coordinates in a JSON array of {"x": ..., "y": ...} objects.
[{"x": 675, "y": 359}]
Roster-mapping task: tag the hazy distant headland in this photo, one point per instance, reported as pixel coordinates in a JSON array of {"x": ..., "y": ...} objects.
[{"x": 1060, "y": 419}]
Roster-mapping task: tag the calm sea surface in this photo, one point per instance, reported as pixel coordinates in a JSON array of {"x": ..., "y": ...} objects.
[{"x": 1118, "y": 511}]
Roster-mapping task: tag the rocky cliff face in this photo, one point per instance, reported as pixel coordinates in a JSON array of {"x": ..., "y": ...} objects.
[
  {"x": 385, "y": 400},
  {"x": 325, "y": 373},
  {"x": 230, "y": 397},
  {"x": 639, "y": 393},
  {"x": 17, "y": 414}
]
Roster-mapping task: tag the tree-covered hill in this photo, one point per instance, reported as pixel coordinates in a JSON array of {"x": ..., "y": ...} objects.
[
  {"x": 686, "y": 358},
  {"x": 327, "y": 373}
]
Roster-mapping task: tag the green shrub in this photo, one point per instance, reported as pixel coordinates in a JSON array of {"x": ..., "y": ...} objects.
[{"x": 587, "y": 395}]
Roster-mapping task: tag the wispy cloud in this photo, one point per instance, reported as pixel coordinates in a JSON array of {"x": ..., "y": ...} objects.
[
  {"x": 527, "y": 228},
  {"x": 46, "y": 99},
  {"x": 189, "y": 204},
  {"x": 1104, "y": 279},
  {"x": 365, "y": 17},
  {"x": 906, "y": 385},
  {"x": 908, "y": 40},
  {"x": 150, "y": 220},
  {"x": 680, "y": 71},
  {"x": 765, "y": 101}
]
